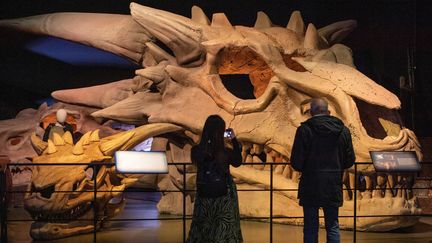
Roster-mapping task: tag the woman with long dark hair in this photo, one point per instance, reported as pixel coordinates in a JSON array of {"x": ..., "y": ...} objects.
[{"x": 216, "y": 215}]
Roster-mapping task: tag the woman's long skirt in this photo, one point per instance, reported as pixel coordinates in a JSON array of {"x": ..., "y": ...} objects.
[{"x": 216, "y": 219}]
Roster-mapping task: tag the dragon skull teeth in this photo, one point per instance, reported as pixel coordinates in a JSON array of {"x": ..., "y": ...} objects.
[
  {"x": 61, "y": 216},
  {"x": 370, "y": 184}
]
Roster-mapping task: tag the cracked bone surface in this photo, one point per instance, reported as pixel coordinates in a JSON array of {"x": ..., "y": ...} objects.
[{"x": 286, "y": 67}]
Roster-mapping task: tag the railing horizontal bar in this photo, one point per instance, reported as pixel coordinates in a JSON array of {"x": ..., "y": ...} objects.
[
  {"x": 174, "y": 163},
  {"x": 189, "y": 217},
  {"x": 59, "y": 164},
  {"x": 245, "y": 190},
  {"x": 91, "y": 220}
]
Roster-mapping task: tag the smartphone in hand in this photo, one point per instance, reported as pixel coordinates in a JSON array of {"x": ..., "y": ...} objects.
[{"x": 229, "y": 133}]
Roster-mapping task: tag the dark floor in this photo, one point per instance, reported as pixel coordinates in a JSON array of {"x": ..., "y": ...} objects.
[{"x": 143, "y": 205}]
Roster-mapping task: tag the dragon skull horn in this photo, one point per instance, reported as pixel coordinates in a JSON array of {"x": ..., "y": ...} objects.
[
  {"x": 92, "y": 96},
  {"x": 312, "y": 40},
  {"x": 109, "y": 145},
  {"x": 37, "y": 143},
  {"x": 126, "y": 109},
  {"x": 336, "y": 32},
  {"x": 51, "y": 147},
  {"x": 129, "y": 139},
  {"x": 58, "y": 140},
  {"x": 103, "y": 31},
  {"x": 199, "y": 16},
  {"x": 78, "y": 148},
  {"x": 67, "y": 137},
  {"x": 262, "y": 21},
  {"x": 296, "y": 23},
  {"x": 94, "y": 137},
  {"x": 364, "y": 88},
  {"x": 221, "y": 20},
  {"x": 180, "y": 34},
  {"x": 85, "y": 139}
]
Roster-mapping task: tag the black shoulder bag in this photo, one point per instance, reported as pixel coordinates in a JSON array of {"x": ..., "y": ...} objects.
[{"x": 212, "y": 180}]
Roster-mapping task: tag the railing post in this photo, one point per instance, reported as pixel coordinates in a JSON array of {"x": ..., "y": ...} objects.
[
  {"x": 3, "y": 204},
  {"x": 95, "y": 213},
  {"x": 271, "y": 202},
  {"x": 184, "y": 202},
  {"x": 355, "y": 203}
]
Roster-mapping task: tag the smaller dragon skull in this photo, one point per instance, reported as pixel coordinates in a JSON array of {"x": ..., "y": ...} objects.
[
  {"x": 60, "y": 198},
  {"x": 15, "y": 133}
]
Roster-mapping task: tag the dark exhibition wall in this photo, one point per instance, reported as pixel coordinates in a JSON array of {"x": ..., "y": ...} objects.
[{"x": 392, "y": 40}]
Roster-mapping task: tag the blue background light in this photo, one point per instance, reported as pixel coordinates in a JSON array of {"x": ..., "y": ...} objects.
[{"x": 76, "y": 54}]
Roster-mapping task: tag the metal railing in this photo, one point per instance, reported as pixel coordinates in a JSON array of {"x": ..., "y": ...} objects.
[
  {"x": 3, "y": 205},
  {"x": 96, "y": 218}
]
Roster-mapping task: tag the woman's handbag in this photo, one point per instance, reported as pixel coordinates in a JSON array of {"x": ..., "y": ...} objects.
[{"x": 212, "y": 180}]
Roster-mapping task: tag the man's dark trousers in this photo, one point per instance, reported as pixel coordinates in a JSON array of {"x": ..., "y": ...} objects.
[{"x": 311, "y": 224}]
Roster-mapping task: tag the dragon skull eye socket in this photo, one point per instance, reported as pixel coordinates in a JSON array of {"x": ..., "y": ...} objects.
[
  {"x": 239, "y": 85},
  {"x": 244, "y": 61},
  {"x": 235, "y": 61},
  {"x": 45, "y": 192}
]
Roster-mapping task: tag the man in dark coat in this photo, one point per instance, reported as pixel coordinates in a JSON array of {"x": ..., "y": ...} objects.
[{"x": 322, "y": 150}]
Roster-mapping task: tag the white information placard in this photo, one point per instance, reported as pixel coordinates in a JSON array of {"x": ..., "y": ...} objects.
[{"x": 143, "y": 162}]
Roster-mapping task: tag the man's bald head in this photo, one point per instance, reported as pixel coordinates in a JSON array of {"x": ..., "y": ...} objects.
[{"x": 319, "y": 106}]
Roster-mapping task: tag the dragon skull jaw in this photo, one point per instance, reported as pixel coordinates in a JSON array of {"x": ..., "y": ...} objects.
[{"x": 49, "y": 231}]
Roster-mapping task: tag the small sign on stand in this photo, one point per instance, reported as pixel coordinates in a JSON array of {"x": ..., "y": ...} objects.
[
  {"x": 395, "y": 161},
  {"x": 143, "y": 162}
]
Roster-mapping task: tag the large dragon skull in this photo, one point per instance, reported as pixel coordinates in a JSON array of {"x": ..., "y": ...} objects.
[
  {"x": 71, "y": 210},
  {"x": 184, "y": 63}
]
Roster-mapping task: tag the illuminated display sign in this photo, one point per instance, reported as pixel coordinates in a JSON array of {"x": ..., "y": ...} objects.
[
  {"x": 395, "y": 161},
  {"x": 133, "y": 162}
]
